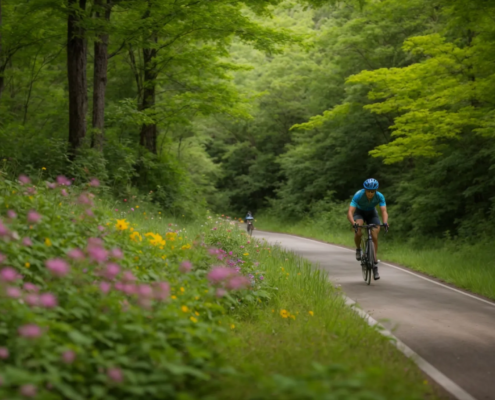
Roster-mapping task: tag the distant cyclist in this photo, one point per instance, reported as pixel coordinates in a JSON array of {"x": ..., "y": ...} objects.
[
  {"x": 249, "y": 215},
  {"x": 362, "y": 209}
]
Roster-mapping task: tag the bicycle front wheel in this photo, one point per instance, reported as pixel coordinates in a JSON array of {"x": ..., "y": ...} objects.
[
  {"x": 370, "y": 258},
  {"x": 364, "y": 267}
]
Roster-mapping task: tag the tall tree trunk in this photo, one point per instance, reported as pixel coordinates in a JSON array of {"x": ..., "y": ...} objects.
[
  {"x": 76, "y": 69},
  {"x": 149, "y": 132},
  {"x": 100, "y": 78}
]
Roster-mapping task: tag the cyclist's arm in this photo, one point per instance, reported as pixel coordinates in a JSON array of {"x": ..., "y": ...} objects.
[
  {"x": 350, "y": 214},
  {"x": 384, "y": 214}
]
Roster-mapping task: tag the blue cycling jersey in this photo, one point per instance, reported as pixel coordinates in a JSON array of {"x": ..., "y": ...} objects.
[{"x": 361, "y": 201}]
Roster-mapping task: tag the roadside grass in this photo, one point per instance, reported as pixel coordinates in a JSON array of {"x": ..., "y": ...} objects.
[{"x": 466, "y": 266}]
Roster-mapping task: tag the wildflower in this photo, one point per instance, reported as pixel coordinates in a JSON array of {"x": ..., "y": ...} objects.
[
  {"x": 185, "y": 267},
  {"x": 13, "y": 292},
  {"x": 116, "y": 253},
  {"x": 83, "y": 199},
  {"x": 261, "y": 277},
  {"x": 128, "y": 276},
  {"x": 57, "y": 266},
  {"x": 27, "y": 265},
  {"x": 96, "y": 253},
  {"x": 135, "y": 236},
  {"x": 173, "y": 297},
  {"x": 43, "y": 168},
  {"x": 28, "y": 390},
  {"x": 193, "y": 319},
  {"x": 220, "y": 292},
  {"x": 220, "y": 274},
  {"x": 4, "y": 353},
  {"x": 68, "y": 356},
  {"x": 186, "y": 247},
  {"x": 9, "y": 274},
  {"x": 132, "y": 209},
  {"x": 105, "y": 287},
  {"x": 92, "y": 241},
  {"x": 238, "y": 282},
  {"x": 182, "y": 290},
  {"x": 115, "y": 374},
  {"x": 24, "y": 180},
  {"x": 33, "y": 217},
  {"x": 122, "y": 224},
  {"x": 32, "y": 299},
  {"x": 48, "y": 242},
  {"x": 162, "y": 290},
  {"x": 137, "y": 206},
  {"x": 246, "y": 254},
  {"x": 311, "y": 313},
  {"x": 94, "y": 182},
  {"x": 62, "y": 180},
  {"x": 284, "y": 313},
  {"x": 48, "y": 300},
  {"x": 184, "y": 309},
  {"x": 30, "y": 287},
  {"x": 111, "y": 271},
  {"x": 145, "y": 291},
  {"x": 11, "y": 214},
  {"x": 64, "y": 193},
  {"x": 76, "y": 254},
  {"x": 232, "y": 326},
  {"x": 30, "y": 331},
  {"x": 51, "y": 185}
]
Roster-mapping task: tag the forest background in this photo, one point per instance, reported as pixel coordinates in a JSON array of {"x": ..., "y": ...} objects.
[{"x": 281, "y": 108}]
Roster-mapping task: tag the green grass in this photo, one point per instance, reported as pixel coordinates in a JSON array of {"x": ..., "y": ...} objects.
[{"x": 466, "y": 266}]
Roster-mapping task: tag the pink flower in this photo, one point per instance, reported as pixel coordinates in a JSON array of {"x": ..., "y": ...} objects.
[
  {"x": 76, "y": 254},
  {"x": 13, "y": 292},
  {"x": 64, "y": 193},
  {"x": 51, "y": 185},
  {"x": 132, "y": 208},
  {"x": 238, "y": 282},
  {"x": 112, "y": 271},
  {"x": 186, "y": 266},
  {"x": 93, "y": 241},
  {"x": 116, "y": 253},
  {"x": 128, "y": 276},
  {"x": 84, "y": 200},
  {"x": 9, "y": 274},
  {"x": 28, "y": 390},
  {"x": 219, "y": 274},
  {"x": 119, "y": 286},
  {"x": 115, "y": 374},
  {"x": 68, "y": 356},
  {"x": 31, "y": 191},
  {"x": 3, "y": 257},
  {"x": 96, "y": 253},
  {"x": 33, "y": 217},
  {"x": 62, "y": 180},
  {"x": 11, "y": 214},
  {"x": 3, "y": 230},
  {"x": 57, "y": 266},
  {"x": 89, "y": 213},
  {"x": 30, "y": 331},
  {"x": 162, "y": 290},
  {"x": 129, "y": 289},
  {"x": 32, "y": 300},
  {"x": 4, "y": 353},
  {"x": 24, "y": 180},
  {"x": 30, "y": 287},
  {"x": 145, "y": 291},
  {"x": 101, "y": 228},
  {"x": 27, "y": 242},
  {"x": 220, "y": 292},
  {"x": 48, "y": 300},
  {"x": 94, "y": 182},
  {"x": 105, "y": 287}
]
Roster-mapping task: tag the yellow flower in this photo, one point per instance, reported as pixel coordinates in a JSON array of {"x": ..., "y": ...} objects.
[
  {"x": 173, "y": 297},
  {"x": 164, "y": 257},
  {"x": 232, "y": 326},
  {"x": 43, "y": 168},
  {"x": 246, "y": 254},
  {"x": 48, "y": 242},
  {"x": 193, "y": 319},
  {"x": 137, "y": 206},
  {"x": 186, "y": 246},
  {"x": 159, "y": 212},
  {"x": 292, "y": 316},
  {"x": 171, "y": 236},
  {"x": 182, "y": 290},
  {"x": 122, "y": 224},
  {"x": 311, "y": 313},
  {"x": 131, "y": 229},
  {"x": 135, "y": 236},
  {"x": 284, "y": 313},
  {"x": 27, "y": 265},
  {"x": 184, "y": 309},
  {"x": 155, "y": 239},
  {"x": 197, "y": 313}
]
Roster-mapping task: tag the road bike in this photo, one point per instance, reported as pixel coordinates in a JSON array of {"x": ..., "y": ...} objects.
[
  {"x": 250, "y": 226},
  {"x": 368, "y": 250}
]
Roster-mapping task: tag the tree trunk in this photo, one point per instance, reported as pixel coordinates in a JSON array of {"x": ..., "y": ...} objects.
[
  {"x": 149, "y": 132},
  {"x": 100, "y": 79},
  {"x": 76, "y": 71}
]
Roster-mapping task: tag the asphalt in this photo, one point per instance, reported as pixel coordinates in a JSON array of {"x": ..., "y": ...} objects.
[{"x": 452, "y": 331}]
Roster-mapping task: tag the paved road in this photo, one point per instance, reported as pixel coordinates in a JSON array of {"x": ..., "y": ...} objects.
[{"x": 452, "y": 331}]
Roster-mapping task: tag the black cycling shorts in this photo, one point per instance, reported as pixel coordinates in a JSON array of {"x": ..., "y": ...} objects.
[{"x": 369, "y": 217}]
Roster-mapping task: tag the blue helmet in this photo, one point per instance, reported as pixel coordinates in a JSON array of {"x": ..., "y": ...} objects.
[{"x": 371, "y": 184}]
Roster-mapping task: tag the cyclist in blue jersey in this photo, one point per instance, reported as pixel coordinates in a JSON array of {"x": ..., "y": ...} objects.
[{"x": 363, "y": 209}]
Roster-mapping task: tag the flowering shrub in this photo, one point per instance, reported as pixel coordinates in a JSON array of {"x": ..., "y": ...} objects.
[{"x": 95, "y": 307}]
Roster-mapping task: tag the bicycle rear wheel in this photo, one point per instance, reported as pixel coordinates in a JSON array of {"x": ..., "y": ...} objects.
[{"x": 370, "y": 259}]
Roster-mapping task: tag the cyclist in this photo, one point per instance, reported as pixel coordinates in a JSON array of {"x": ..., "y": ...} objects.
[
  {"x": 362, "y": 209},
  {"x": 249, "y": 219}
]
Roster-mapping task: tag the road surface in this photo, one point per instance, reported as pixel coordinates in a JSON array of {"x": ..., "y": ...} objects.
[{"x": 453, "y": 331}]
